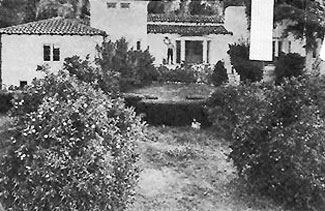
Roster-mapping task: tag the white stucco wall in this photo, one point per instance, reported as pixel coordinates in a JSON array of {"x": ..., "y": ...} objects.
[
  {"x": 130, "y": 23},
  {"x": 22, "y": 53},
  {"x": 236, "y": 22}
]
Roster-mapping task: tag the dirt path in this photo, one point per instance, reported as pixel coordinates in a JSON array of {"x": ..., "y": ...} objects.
[{"x": 186, "y": 169}]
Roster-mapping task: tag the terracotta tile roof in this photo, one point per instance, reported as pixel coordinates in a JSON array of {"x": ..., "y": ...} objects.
[
  {"x": 184, "y": 19},
  {"x": 196, "y": 30},
  {"x": 53, "y": 26}
]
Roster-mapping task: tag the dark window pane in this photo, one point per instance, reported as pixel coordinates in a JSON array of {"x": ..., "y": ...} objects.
[
  {"x": 111, "y": 4},
  {"x": 47, "y": 53},
  {"x": 125, "y": 5},
  {"x": 280, "y": 48},
  {"x": 139, "y": 45},
  {"x": 56, "y": 53}
]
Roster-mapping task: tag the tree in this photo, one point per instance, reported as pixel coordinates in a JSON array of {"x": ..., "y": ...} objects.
[
  {"x": 307, "y": 21},
  {"x": 77, "y": 9},
  {"x": 11, "y": 12},
  {"x": 308, "y": 17}
]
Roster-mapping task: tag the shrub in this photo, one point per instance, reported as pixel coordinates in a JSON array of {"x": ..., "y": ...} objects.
[
  {"x": 278, "y": 145},
  {"x": 84, "y": 70},
  {"x": 179, "y": 74},
  {"x": 72, "y": 150},
  {"x": 219, "y": 75},
  {"x": 248, "y": 70},
  {"x": 5, "y": 101},
  {"x": 134, "y": 67},
  {"x": 227, "y": 103},
  {"x": 288, "y": 65}
]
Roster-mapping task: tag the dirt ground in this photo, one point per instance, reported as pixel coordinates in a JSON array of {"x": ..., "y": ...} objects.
[{"x": 187, "y": 169}]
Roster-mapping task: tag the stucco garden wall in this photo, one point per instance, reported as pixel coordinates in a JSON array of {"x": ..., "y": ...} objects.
[{"x": 22, "y": 53}]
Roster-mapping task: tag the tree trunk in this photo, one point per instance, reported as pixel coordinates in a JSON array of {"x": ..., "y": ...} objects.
[{"x": 309, "y": 60}]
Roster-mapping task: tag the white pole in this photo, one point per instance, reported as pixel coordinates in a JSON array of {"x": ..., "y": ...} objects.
[{"x": 261, "y": 33}]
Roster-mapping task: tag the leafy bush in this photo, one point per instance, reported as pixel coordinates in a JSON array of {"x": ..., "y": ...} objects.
[
  {"x": 134, "y": 67},
  {"x": 5, "y": 101},
  {"x": 84, "y": 70},
  {"x": 278, "y": 145},
  {"x": 288, "y": 65},
  {"x": 227, "y": 103},
  {"x": 73, "y": 149},
  {"x": 219, "y": 75},
  {"x": 186, "y": 74},
  {"x": 179, "y": 74},
  {"x": 248, "y": 70}
]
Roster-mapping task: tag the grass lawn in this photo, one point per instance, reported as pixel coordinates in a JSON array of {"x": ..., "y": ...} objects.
[
  {"x": 186, "y": 169},
  {"x": 174, "y": 92}
]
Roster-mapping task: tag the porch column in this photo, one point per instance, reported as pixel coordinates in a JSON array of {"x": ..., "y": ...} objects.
[
  {"x": 182, "y": 50},
  {"x": 205, "y": 51}
]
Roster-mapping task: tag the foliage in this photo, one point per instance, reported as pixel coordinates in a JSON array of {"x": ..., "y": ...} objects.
[
  {"x": 278, "y": 134},
  {"x": 219, "y": 75},
  {"x": 64, "y": 8},
  {"x": 307, "y": 16},
  {"x": 288, "y": 65},
  {"x": 156, "y": 7},
  {"x": 13, "y": 12},
  {"x": 179, "y": 74},
  {"x": 227, "y": 103},
  {"x": 134, "y": 67},
  {"x": 248, "y": 70},
  {"x": 73, "y": 149},
  {"x": 5, "y": 101},
  {"x": 186, "y": 74},
  {"x": 84, "y": 70},
  {"x": 200, "y": 8}
]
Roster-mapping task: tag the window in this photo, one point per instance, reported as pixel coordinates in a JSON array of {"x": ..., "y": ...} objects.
[
  {"x": 56, "y": 53},
  {"x": 22, "y": 84},
  {"x": 139, "y": 45},
  {"x": 47, "y": 53},
  {"x": 125, "y": 5},
  {"x": 289, "y": 47},
  {"x": 280, "y": 48},
  {"x": 111, "y": 5},
  {"x": 51, "y": 52}
]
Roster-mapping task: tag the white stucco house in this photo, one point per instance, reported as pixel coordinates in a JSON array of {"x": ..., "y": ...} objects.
[
  {"x": 47, "y": 42},
  {"x": 196, "y": 39}
]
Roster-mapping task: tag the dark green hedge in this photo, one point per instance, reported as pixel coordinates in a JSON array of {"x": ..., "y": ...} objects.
[
  {"x": 5, "y": 101},
  {"x": 171, "y": 113}
]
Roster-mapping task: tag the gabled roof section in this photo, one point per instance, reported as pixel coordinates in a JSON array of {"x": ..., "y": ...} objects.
[
  {"x": 196, "y": 30},
  {"x": 53, "y": 26},
  {"x": 184, "y": 19}
]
